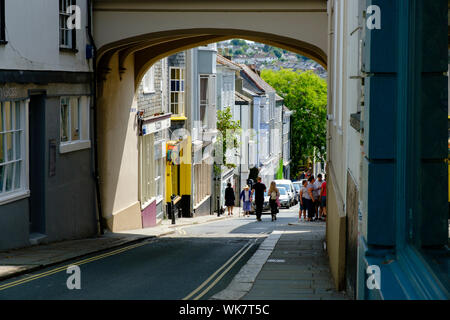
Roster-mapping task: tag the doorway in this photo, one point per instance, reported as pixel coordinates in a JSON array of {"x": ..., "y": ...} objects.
[{"x": 36, "y": 136}]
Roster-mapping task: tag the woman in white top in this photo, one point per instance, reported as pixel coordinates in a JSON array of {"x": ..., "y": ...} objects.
[
  {"x": 303, "y": 204},
  {"x": 274, "y": 194}
]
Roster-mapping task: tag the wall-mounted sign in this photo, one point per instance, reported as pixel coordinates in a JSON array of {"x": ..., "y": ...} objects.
[{"x": 155, "y": 126}]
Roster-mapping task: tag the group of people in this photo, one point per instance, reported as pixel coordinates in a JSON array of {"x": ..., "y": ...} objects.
[
  {"x": 313, "y": 199},
  {"x": 257, "y": 191}
]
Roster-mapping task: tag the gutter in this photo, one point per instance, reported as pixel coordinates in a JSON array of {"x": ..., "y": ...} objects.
[{"x": 99, "y": 216}]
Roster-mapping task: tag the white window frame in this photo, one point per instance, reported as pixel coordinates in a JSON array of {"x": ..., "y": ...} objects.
[
  {"x": 84, "y": 141},
  {"x": 148, "y": 82},
  {"x": 23, "y": 191},
  {"x": 67, "y": 40},
  {"x": 181, "y": 93}
]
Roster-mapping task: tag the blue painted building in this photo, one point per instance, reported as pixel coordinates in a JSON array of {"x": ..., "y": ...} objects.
[{"x": 388, "y": 180}]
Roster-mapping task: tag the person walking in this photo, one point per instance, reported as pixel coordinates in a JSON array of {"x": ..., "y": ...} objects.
[
  {"x": 229, "y": 199},
  {"x": 317, "y": 198},
  {"x": 274, "y": 194},
  {"x": 258, "y": 190},
  {"x": 310, "y": 198},
  {"x": 303, "y": 202},
  {"x": 246, "y": 197},
  {"x": 323, "y": 194}
]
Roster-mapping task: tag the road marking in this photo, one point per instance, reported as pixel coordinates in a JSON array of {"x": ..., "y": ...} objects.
[
  {"x": 223, "y": 273},
  {"x": 59, "y": 269},
  {"x": 247, "y": 245}
]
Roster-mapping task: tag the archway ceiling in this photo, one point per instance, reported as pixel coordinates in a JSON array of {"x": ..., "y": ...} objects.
[{"x": 149, "y": 48}]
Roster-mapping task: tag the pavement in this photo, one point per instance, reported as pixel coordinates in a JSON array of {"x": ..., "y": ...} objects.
[
  {"x": 20, "y": 261},
  {"x": 291, "y": 264}
]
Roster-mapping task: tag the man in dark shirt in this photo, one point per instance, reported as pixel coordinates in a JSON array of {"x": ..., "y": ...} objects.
[{"x": 258, "y": 191}]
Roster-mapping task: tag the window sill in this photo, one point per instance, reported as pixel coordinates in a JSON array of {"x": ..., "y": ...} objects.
[
  {"x": 68, "y": 50},
  {"x": 74, "y": 146},
  {"x": 3, "y": 42},
  {"x": 148, "y": 92},
  {"x": 14, "y": 196}
]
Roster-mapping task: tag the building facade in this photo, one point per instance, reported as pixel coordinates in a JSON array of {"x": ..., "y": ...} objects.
[
  {"x": 154, "y": 121},
  {"x": 387, "y": 233},
  {"x": 47, "y": 190}
]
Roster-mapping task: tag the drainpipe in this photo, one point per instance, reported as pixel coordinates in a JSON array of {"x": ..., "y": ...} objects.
[{"x": 95, "y": 142}]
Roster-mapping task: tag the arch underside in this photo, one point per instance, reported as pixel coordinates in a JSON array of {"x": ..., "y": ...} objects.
[{"x": 149, "y": 48}]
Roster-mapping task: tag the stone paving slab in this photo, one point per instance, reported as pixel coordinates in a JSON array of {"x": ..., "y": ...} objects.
[{"x": 304, "y": 273}]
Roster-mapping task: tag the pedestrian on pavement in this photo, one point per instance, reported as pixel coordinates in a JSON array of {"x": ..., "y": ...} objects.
[
  {"x": 246, "y": 197},
  {"x": 258, "y": 190},
  {"x": 323, "y": 194},
  {"x": 229, "y": 199},
  {"x": 303, "y": 202},
  {"x": 317, "y": 197},
  {"x": 274, "y": 196},
  {"x": 310, "y": 198}
]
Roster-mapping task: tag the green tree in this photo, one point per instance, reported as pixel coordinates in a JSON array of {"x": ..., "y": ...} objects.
[
  {"x": 228, "y": 137},
  {"x": 306, "y": 94},
  {"x": 238, "y": 42},
  {"x": 277, "y": 53}
]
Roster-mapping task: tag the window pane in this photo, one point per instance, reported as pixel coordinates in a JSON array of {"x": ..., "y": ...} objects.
[
  {"x": 9, "y": 176},
  {"x": 172, "y": 85},
  {"x": 2, "y": 113},
  {"x": 182, "y": 85},
  {"x": 64, "y": 120},
  {"x": 2, "y": 150},
  {"x": 7, "y": 115},
  {"x": 172, "y": 73},
  {"x": 2, "y": 170},
  {"x": 17, "y": 178},
  {"x": 9, "y": 147},
  {"x": 18, "y": 145},
  {"x": 18, "y": 116},
  {"x": 75, "y": 124}
]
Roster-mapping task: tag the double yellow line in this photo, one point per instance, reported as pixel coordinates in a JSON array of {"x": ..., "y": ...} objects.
[
  {"x": 59, "y": 269},
  {"x": 230, "y": 263}
]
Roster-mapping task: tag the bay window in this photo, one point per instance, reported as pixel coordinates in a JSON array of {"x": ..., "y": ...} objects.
[{"x": 13, "y": 159}]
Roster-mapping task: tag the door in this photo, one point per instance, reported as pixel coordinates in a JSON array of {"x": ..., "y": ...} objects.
[{"x": 36, "y": 116}]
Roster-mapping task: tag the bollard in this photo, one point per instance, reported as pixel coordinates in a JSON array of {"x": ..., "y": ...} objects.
[{"x": 172, "y": 208}]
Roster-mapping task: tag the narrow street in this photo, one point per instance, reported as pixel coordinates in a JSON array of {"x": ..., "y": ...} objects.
[{"x": 196, "y": 262}]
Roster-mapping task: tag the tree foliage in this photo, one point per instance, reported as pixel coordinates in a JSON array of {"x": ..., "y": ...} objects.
[
  {"x": 305, "y": 93},
  {"x": 228, "y": 137}
]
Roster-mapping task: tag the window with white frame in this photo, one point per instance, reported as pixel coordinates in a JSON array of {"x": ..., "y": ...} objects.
[
  {"x": 207, "y": 97},
  {"x": 74, "y": 123},
  {"x": 148, "y": 82},
  {"x": 67, "y": 38},
  {"x": 13, "y": 160},
  {"x": 177, "y": 91},
  {"x": 152, "y": 169}
]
